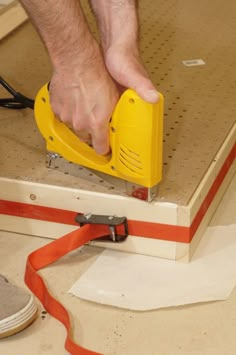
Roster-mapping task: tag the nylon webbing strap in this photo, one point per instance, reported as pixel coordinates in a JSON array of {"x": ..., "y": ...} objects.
[{"x": 45, "y": 256}]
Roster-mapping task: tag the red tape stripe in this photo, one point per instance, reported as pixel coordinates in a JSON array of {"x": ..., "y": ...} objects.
[
  {"x": 136, "y": 228},
  {"x": 48, "y": 214},
  {"x": 212, "y": 192}
]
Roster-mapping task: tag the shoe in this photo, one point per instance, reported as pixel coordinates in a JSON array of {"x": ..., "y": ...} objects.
[{"x": 17, "y": 308}]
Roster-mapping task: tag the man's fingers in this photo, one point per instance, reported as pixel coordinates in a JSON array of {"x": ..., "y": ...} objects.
[
  {"x": 86, "y": 102},
  {"x": 149, "y": 95},
  {"x": 100, "y": 141},
  {"x": 84, "y": 136},
  {"x": 145, "y": 90},
  {"x": 128, "y": 71},
  {"x": 138, "y": 80}
]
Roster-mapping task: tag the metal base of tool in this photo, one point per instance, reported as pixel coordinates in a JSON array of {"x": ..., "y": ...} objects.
[{"x": 57, "y": 162}]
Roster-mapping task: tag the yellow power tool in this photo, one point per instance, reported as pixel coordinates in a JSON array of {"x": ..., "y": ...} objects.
[{"x": 136, "y": 134}]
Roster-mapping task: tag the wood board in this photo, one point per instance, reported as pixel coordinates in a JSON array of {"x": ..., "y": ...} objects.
[{"x": 12, "y": 15}]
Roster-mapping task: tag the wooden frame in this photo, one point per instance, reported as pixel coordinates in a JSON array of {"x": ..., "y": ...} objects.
[
  {"x": 11, "y": 16},
  {"x": 158, "y": 229}
]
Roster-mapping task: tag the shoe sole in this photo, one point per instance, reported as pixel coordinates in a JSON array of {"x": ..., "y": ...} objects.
[{"x": 19, "y": 321}]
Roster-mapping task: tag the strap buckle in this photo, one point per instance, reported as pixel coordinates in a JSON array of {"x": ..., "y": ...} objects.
[{"x": 113, "y": 222}]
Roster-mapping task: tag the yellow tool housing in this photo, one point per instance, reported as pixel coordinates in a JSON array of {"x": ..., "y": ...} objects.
[{"x": 136, "y": 133}]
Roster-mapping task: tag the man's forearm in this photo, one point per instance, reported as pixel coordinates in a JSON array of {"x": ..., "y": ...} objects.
[
  {"x": 117, "y": 21},
  {"x": 63, "y": 28},
  {"x": 118, "y": 25}
]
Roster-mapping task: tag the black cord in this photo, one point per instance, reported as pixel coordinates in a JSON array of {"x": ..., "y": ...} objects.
[{"x": 17, "y": 101}]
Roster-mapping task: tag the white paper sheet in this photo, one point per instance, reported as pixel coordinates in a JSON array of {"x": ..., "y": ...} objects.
[{"x": 141, "y": 283}]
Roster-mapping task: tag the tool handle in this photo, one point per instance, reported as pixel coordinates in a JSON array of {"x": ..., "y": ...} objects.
[{"x": 60, "y": 138}]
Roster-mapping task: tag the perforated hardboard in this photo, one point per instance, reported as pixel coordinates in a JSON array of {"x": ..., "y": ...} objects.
[{"x": 200, "y": 106}]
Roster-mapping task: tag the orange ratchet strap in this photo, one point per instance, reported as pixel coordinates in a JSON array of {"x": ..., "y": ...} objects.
[{"x": 92, "y": 227}]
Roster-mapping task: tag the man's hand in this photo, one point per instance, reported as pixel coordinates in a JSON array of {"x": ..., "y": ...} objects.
[
  {"x": 125, "y": 67},
  {"x": 84, "y": 97}
]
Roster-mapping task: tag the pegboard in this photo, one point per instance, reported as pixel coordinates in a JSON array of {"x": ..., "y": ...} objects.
[{"x": 200, "y": 104}]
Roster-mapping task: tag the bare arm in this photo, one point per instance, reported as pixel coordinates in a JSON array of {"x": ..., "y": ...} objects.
[
  {"x": 63, "y": 28},
  {"x": 117, "y": 20}
]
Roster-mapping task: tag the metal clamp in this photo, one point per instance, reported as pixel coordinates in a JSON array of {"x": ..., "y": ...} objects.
[{"x": 111, "y": 221}]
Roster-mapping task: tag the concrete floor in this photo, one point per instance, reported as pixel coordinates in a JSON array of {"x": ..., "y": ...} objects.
[{"x": 201, "y": 329}]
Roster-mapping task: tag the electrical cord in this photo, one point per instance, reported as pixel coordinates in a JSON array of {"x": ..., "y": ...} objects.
[{"x": 17, "y": 101}]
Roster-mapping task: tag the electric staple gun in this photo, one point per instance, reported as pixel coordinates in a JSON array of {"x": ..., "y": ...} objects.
[{"x": 136, "y": 134}]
